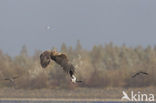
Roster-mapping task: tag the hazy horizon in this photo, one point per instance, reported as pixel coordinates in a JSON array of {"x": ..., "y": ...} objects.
[{"x": 43, "y": 24}]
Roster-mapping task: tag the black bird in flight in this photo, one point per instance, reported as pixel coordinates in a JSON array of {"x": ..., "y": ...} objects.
[{"x": 138, "y": 73}]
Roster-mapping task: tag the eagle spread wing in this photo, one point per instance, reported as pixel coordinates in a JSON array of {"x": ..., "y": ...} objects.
[
  {"x": 63, "y": 56},
  {"x": 45, "y": 59}
]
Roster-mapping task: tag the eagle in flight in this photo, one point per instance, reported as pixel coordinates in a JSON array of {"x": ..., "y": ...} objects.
[{"x": 59, "y": 58}]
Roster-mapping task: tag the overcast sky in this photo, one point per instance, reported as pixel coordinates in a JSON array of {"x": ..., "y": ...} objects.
[{"x": 42, "y": 24}]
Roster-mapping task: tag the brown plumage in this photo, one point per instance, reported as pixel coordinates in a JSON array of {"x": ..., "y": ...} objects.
[{"x": 60, "y": 59}]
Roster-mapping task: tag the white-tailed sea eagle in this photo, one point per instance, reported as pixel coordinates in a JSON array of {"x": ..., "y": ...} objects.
[{"x": 60, "y": 59}]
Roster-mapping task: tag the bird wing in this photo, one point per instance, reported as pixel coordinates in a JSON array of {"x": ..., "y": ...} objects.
[
  {"x": 139, "y": 73},
  {"x": 144, "y": 73},
  {"x": 61, "y": 59},
  {"x": 6, "y": 79},
  {"x": 45, "y": 59},
  {"x": 135, "y": 75},
  {"x": 63, "y": 56}
]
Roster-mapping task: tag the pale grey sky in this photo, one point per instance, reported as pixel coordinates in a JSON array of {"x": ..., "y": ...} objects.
[{"x": 42, "y": 24}]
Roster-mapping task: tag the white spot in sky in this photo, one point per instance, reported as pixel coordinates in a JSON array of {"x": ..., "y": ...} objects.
[{"x": 50, "y": 28}]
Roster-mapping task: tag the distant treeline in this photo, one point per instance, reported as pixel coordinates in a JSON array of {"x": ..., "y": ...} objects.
[{"x": 103, "y": 66}]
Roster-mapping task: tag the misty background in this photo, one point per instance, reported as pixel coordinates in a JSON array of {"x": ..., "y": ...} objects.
[{"x": 43, "y": 24}]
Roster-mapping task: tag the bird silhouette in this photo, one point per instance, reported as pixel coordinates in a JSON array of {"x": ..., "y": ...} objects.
[
  {"x": 12, "y": 79},
  {"x": 138, "y": 73}
]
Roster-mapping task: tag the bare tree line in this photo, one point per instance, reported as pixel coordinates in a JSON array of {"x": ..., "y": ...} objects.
[{"x": 103, "y": 66}]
